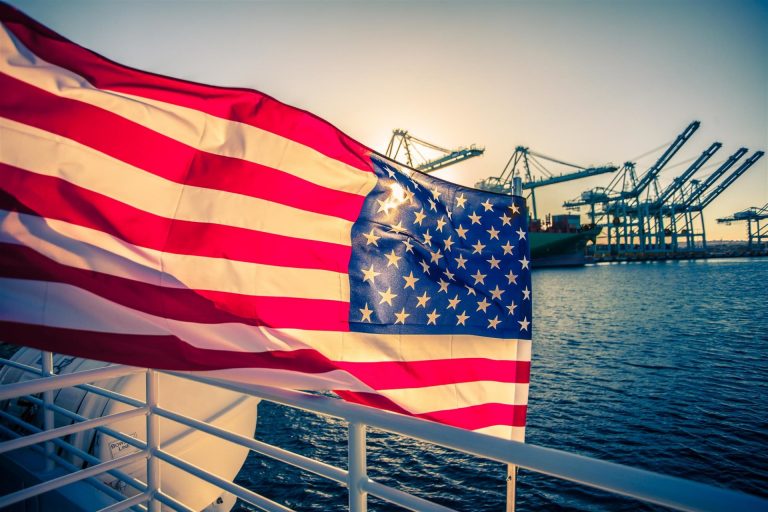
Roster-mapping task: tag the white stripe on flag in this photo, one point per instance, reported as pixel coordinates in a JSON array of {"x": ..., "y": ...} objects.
[
  {"x": 188, "y": 126},
  {"x": 361, "y": 347},
  {"x": 456, "y": 396},
  {"x": 90, "y": 249}
]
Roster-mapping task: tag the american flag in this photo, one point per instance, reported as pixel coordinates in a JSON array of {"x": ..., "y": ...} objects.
[
  {"x": 156, "y": 222},
  {"x": 444, "y": 271}
]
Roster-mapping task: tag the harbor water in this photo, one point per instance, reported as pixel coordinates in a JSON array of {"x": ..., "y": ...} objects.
[{"x": 662, "y": 366}]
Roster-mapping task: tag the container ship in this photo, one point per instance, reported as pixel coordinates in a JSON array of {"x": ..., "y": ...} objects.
[{"x": 561, "y": 242}]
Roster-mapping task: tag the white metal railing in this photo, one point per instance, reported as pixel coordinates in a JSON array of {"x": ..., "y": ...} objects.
[{"x": 651, "y": 487}]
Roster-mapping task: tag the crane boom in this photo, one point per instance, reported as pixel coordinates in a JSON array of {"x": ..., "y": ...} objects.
[
  {"x": 451, "y": 158},
  {"x": 520, "y": 164},
  {"x": 403, "y": 141},
  {"x": 730, "y": 179},
  {"x": 703, "y": 186},
  {"x": 584, "y": 173},
  {"x": 679, "y": 181},
  {"x": 654, "y": 171},
  {"x": 610, "y": 194}
]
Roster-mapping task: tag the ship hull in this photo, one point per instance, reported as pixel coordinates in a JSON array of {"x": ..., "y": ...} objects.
[{"x": 560, "y": 249}]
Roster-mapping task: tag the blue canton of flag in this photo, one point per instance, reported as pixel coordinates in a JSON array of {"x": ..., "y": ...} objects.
[{"x": 431, "y": 257}]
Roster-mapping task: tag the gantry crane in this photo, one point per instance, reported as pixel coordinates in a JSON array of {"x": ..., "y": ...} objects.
[
  {"x": 404, "y": 147},
  {"x": 678, "y": 211},
  {"x": 757, "y": 238},
  {"x": 652, "y": 174},
  {"x": 727, "y": 182},
  {"x": 699, "y": 187},
  {"x": 691, "y": 211},
  {"x": 626, "y": 185},
  {"x": 654, "y": 210},
  {"x": 520, "y": 164},
  {"x": 679, "y": 181},
  {"x": 620, "y": 212}
]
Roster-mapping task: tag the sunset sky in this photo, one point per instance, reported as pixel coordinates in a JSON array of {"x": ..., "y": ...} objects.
[{"x": 588, "y": 82}]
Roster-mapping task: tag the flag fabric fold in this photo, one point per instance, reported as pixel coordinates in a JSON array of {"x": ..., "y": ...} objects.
[{"x": 152, "y": 221}]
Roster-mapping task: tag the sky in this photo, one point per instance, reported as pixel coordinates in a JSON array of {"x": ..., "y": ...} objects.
[{"x": 589, "y": 82}]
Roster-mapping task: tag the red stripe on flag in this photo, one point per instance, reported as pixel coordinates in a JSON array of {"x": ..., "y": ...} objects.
[
  {"x": 472, "y": 418},
  {"x": 163, "y": 352},
  {"x": 480, "y": 416},
  {"x": 165, "y": 157},
  {"x": 183, "y": 304},
  {"x": 242, "y": 105},
  {"x": 54, "y": 198},
  {"x": 172, "y": 353},
  {"x": 396, "y": 374}
]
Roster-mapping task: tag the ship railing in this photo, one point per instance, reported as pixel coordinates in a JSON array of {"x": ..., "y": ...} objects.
[{"x": 672, "y": 492}]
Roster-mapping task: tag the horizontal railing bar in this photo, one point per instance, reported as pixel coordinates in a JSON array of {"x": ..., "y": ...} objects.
[
  {"x": 93, "y": 481},
  {"x": 106, "y": 393},
  {"x": 133, "y": 482},
  {"x": 172, "y": 502},
  {"x": 239, "y": 491},
  {"x": 668, "y": 491},
  {"x": 50, "y": 485},
  {"x": 293, "y": 459},
  {"x": 21, "y": 366},
  {"x": 86, "y": 387},
  {"x": 32, "y": 387},
  {"x": 74, "y": 428},
  {"x": 127, "y": 503},
  {"x": 138, "y": 443}
]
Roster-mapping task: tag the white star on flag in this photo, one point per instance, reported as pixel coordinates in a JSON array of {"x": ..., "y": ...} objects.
[{"x": 366, "y": 313}]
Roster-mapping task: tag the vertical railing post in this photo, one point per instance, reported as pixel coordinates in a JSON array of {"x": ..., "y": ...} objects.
[
  {"x": 358, "y": 473},
  {"x": 511, "y": 487},
  {"x": 153, "y": 441},
  {"x": 48, "y": 423}
]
